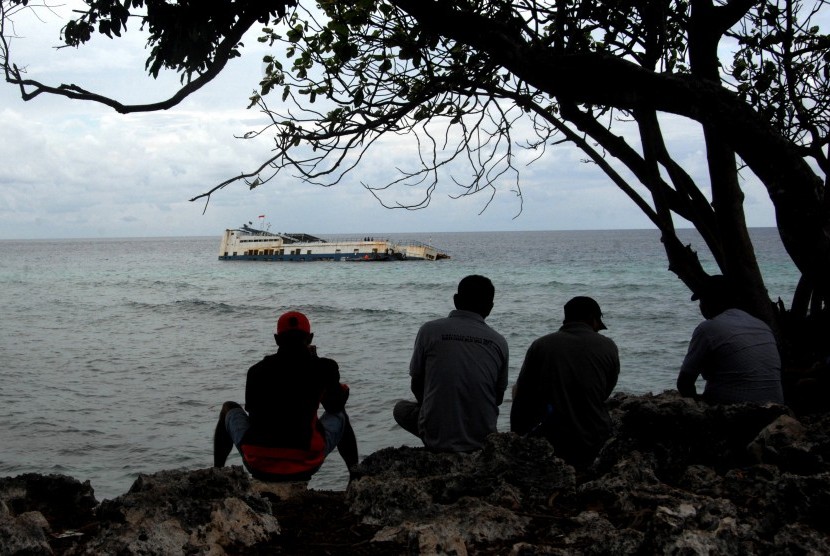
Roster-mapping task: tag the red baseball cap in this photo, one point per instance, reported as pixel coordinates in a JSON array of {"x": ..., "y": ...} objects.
[{"x": 293, "y": 320}]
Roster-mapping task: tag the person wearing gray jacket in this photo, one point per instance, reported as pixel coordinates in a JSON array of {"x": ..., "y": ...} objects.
[{"x": 458, "y": 374}]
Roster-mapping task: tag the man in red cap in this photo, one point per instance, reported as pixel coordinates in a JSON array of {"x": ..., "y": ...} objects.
[{"x": 279, "y": 434}]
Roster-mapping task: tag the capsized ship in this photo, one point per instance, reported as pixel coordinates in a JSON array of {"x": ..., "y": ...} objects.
[{"x": 249, "y": 244}]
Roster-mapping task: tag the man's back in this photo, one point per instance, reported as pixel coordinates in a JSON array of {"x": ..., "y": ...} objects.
[
  {"x": 737, "y": 355},
  {"x": 565, "y": 380},
  {"x": 463, "y": 365},
  {"x": 282, "y": 396}
]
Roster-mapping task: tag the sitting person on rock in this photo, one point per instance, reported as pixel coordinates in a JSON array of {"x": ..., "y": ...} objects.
[
  {"x": 734, "y": 352},
  {"x": 565, "y": 380},
  {"x": 279, "y": 434},
  {"x": 458, "y": 374}
]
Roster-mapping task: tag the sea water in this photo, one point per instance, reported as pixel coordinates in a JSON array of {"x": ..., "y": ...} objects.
[{"x": 116, "y": 354}]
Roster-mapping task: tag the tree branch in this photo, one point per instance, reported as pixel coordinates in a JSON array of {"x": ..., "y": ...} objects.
[{"x": 31, "y": 88}]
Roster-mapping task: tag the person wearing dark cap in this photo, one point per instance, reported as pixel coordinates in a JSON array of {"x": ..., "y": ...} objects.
[
  {"x": 278, "y": 433},
  {"x": 458, "y": 374},
  {"x": 565, "y": 380},
  {"x": 734, "y": 352}
]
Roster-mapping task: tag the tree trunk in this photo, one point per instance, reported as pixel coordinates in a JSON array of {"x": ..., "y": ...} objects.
[{"x": 740, "y": 263}]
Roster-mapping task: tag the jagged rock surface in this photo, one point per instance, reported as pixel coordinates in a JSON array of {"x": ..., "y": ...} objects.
[{"x": 678, "y": 477}]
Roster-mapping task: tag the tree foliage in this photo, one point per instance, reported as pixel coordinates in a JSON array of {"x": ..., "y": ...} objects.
[{"x": 471, "y": 81}]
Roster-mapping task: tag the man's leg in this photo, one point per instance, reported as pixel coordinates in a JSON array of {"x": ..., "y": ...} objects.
[
  {"x": 222, "y": 441},
  {"x": 348, "y": 444},
  {"x": 406, "y": 415},
  {"x": 340, "y": 434}
]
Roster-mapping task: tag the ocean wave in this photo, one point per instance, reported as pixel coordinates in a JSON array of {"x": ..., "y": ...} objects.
[{"x": 201, "y": 306}]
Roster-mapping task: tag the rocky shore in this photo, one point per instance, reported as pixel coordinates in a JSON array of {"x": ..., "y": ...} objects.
[{"x": 679, "y": 477}]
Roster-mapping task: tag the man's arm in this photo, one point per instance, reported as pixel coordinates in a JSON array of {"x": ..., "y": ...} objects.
[
  {"x": 335, "y": 394},
  {"x": 695, "y": 360},
  {"x": 528, "y": 407},
  {"x": 254, "y": 392},
  {"x": 417, "y": 368},
  {"x": 614, "y": 373},
  {"x": 417, "y": 387},
  {"x": 501, "y": 386},
  {"x": 686, "y": 384}
]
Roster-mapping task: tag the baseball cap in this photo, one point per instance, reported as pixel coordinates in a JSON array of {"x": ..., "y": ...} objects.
[
  {"x": 293, "y": 320},
  {"x": 713, "y": 287},
  {"x": 582, "y": 308}
]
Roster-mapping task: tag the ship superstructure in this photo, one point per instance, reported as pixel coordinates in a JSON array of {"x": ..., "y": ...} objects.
[{"x": 249, "y": 244}]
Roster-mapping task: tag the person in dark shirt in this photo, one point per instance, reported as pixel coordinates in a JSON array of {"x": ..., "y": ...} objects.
[
  {"x": 735, "y": 353},
  {"x": 565, "y": 380},
  {"x": 278, "y": 433}
]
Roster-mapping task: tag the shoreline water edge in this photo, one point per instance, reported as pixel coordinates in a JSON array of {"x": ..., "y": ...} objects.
[{"x": 678, "y": 477}]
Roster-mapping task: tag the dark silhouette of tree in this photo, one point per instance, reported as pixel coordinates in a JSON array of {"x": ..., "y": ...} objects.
[{"x": 471, "y": 81}]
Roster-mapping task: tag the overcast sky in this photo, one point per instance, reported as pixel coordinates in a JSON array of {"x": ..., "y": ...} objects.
[{"x": 75, "y": 169}]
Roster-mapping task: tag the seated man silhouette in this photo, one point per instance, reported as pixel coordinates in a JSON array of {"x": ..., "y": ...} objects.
[
  {"x": 458, "y": 374},
  {"x": 733, "y": 351},
  {"x": 563, "y": 385},
  {"x": 279, "y": 434}
]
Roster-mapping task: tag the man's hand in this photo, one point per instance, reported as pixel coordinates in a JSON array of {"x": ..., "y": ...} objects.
[{"x": 686, "y": 385}]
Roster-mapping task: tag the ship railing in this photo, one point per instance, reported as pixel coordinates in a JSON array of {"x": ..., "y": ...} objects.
[
  {"x": 364, "y": 239},
  {"x": 415, "y": 243}
]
